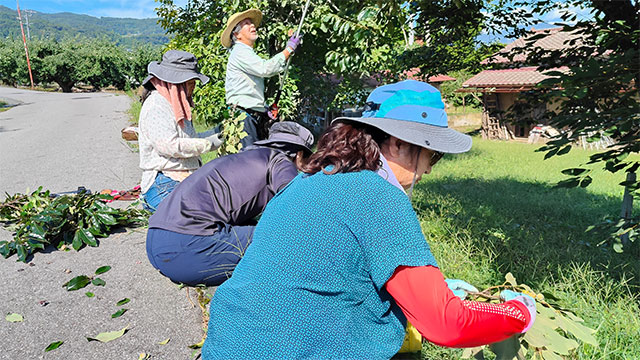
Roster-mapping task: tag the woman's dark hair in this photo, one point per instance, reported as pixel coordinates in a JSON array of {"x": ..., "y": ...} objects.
[{"x": 348, "y": 146}]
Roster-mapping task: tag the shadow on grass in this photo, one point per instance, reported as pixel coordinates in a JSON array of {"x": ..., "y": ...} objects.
[{"x": 535, "y": 230}]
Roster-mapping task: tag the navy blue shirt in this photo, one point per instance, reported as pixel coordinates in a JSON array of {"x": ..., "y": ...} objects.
[{"x": 232, "y": 189}]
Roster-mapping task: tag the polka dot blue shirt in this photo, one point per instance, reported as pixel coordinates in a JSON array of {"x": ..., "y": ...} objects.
[{"x": 311, "y": 285}]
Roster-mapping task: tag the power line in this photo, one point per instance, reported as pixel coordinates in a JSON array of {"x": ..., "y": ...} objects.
[
  {"x": 24, "y": 41},
  {"x": 27, "y": 15}
]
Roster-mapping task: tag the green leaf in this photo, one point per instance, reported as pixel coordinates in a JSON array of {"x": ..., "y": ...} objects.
[
  {"x": 118, "y": 313},
  {"x": 506, "y": 349},
  {"x": 98, "y": 282},
  {"x": 76, "y": 283},
  {"x": 123, "y": 301},
  {"x": 89, "y": 294},
  {"x": 87, "y": 237},
  {"x": 103, "y": 269},
  {"x": 550, "y": 355},
  {"x": 22, "y": 253},
  {"x": 108, "y": 336},
  {"x": 560, "y": 344},
  {"x": 535, "y": 337},
  {"x": 54, "y": 345},
  {"x": 197, "y": 346},
  {"x": 165, "y": 342},
  {"x": 77, "y": 240},
  {"x": 578, "y": 330},
  {"x": 106, "y": 218},
  {"x": 14, "y": 318}
]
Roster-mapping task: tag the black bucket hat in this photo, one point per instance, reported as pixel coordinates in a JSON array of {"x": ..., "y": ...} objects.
[
  {"x": 176, "y": 67},
  {"x": 289, "y": 132}
]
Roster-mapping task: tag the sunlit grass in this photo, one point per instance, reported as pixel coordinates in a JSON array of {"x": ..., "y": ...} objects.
[
  {"x": 494, "y": 210},
  {"x": 134, "y": 109}
]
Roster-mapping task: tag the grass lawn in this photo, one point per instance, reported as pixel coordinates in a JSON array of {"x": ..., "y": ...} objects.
[{"x": 494, "y": 210}]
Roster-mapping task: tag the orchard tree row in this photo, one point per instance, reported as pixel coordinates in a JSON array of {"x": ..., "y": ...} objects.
[{"x": 70, "y": 62}]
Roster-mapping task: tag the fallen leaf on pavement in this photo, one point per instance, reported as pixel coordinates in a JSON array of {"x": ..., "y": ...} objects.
[
  {"x": 109, "y": 336},
  {"x": 54, "y": 345},
  {"x": 14, "y": 318}
]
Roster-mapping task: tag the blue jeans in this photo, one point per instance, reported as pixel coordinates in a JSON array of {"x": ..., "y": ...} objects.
[
  {"x": 198, "y": 259},
  {"x": 160, "y": 189}
]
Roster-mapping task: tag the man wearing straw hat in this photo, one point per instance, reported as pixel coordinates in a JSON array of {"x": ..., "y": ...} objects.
[{"x": 246, "y": 71}]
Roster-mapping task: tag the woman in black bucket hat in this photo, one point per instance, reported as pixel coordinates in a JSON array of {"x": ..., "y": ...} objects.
[
  {"x": 339, "y": 263},
  {"x": 202, "y": 229},
  {"x": 170, "y": 148}
]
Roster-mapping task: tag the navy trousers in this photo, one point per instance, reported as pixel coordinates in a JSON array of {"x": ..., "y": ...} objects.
[{"x": 194, "y": 259}]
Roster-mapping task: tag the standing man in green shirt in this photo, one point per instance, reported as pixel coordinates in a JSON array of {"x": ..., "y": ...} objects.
[{"x": 246, "y": 71}]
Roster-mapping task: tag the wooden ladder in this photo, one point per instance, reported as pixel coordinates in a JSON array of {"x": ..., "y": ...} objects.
[{"x": 491, "y": 128}]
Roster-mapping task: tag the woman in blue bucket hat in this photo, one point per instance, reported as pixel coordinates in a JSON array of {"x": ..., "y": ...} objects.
[{"x": 338, "y": 262}]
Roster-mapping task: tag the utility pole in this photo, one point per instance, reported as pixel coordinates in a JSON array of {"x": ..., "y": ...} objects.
[
  {"x": 24, "y": 41},
  {"x": 27, "y": 14}
]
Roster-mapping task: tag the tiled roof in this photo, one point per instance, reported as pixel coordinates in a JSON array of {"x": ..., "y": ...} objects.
[
  {"x": 413, "y": 75},
  {"x": 514, "y": 78},
  {"x": 555, "y": 40}
]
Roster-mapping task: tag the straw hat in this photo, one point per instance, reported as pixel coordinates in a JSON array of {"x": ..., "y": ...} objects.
[{"x": 254, "y": 14}]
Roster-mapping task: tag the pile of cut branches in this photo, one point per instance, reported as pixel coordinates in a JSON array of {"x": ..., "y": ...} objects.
[
  {"x": 40, "y": 219},
  {"x": 556, "y": 333}
]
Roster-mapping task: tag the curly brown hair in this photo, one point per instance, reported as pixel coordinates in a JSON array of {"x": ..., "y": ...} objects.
[{"x": 348, "y": 146}]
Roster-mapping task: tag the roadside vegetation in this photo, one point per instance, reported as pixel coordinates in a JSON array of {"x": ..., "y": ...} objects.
[
  {"x": 495, "y": 210},
  {"x": 89, "y": 64}
]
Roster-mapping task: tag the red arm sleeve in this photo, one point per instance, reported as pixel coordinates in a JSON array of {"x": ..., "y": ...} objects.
[{"x": 443, "y": 319}]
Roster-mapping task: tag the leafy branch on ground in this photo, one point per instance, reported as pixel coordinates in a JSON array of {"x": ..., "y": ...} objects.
[
  {"x": 81, "y": 281},
  {"x": 554, "y": 333},
  {"x": 40, "y": 219}
]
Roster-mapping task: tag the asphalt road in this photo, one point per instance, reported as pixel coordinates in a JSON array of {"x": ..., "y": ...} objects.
[{"x": 62, "y": 141}]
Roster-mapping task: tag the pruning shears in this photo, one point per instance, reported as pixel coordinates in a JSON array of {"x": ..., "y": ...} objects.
[{"x": 273, "y": 109}]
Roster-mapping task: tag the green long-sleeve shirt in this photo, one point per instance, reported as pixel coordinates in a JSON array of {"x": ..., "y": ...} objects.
[{"x": 245, "y": 76}]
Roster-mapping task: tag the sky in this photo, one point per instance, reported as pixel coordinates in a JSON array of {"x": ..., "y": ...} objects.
[{"x": 139, "y": 9}]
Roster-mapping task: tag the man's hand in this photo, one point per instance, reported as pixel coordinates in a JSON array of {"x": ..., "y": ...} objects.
[
  {"x": 293, "y": 42},
  {"x": 273, "y": 111}
]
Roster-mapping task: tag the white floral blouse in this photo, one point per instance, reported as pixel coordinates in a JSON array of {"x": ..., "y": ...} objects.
[{"x": 164, "y": 145}]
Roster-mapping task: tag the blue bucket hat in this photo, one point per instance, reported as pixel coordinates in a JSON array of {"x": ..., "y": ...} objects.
[{"x": 412, "y": 111}]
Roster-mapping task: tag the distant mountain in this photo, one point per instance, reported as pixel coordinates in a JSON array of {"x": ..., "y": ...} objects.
[{"x": 123, "y": 31}]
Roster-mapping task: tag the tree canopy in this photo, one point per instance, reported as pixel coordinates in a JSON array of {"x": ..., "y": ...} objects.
[{"x": 347, "y": 47}]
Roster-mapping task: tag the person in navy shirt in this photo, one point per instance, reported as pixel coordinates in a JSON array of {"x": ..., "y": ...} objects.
[{"x": 201, "y": 231}]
